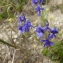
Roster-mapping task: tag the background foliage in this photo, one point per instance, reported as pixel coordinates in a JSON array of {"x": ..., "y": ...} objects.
[{"x": 9, "y": 7}]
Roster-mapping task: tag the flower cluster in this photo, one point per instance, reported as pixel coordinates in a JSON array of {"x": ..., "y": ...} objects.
[
  {"x": 34, "y": 2},
  {"x": 26, "y": 26},
  {"x": 38, "y": 8},
  {"x": 51, "y": 34},
  {"x": 41, "y": 31},
  {"x": 45, "y": 34},
  {"x": 22, "y": 18}
]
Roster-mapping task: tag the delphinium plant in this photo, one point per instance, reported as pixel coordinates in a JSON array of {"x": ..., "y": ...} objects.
[
  {"x": 47, "y": 35},
  {"x": 44, "y": 32}
]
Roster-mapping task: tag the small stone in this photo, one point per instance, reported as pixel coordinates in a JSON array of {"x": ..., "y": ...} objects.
[
  {"x": 30, "y": 38},
  {"x": 15, "y": 36},
  {"x": 14, "y": 40},
  {"x": 3, "y": 47},
  {"x": 17, "y": 42}
]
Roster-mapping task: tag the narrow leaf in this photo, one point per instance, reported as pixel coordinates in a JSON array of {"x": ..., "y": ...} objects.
[{"x": 2, "y": 41}]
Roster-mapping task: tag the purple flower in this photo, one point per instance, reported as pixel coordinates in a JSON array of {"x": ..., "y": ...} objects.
[
  {"x": 22, "y": 18},
  {"x": 41, "y": 1},
  {"x": 54, "y": 31},
  {"x": 28, "y": 23},
  {"x": 40, "y": 31},
  {"x": 26, "y": 27},
  {"x": 34, "y": 2},
  {"x": 47, "y": 43},
  {"x": 38, "y": 9},
  {"x": 49, "y": 36},
  {"x": 21, "y": 29}
]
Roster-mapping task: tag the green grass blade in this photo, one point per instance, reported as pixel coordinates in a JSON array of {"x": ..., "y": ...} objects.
[{"x": 8, "y": 44}]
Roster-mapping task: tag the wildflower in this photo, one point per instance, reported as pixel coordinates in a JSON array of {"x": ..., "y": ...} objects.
[
  {"x": 22, "y": 18},
  {"x": 26, "y": 27},
  {"x": 47, "y": 43},
  {"x": 50, "y": 36},
  {"x": 38, "y": 9},
  {"x": 34, "y": 2},
  {"x": 21, "y": 29},
  {"x": 54, "y": 31},
  {"x": 41, "y": 1},
  {"x": 37, "y": 1},
  {"x": 28, "y": 23},
  {"x": 40, "y": 31}
]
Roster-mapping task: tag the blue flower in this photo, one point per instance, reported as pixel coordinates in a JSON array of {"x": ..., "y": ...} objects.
[
  {"x": 40, "y": 31},
  {"x": 54, "y": 31},
  {"x": 28, "y": 23},
  {"x": 41, "y": 1},
  {"x": 49, "y": 36},
  {"x": 26, "y": 27},
  {"x": 22, "y": 18},
  {"x": 47, "y": 43},
  {"x": 34, "y": 2},
  {"x": 21, "y": 29},
  {"x": 38, "y": 9}
]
